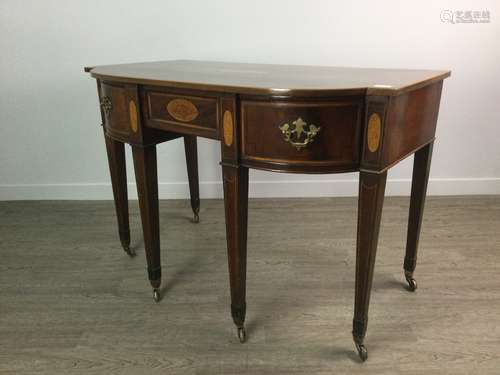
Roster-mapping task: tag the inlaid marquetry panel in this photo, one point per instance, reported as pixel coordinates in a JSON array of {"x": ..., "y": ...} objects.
[
  {"x": 374, "y": 132},
  {"x": 182, "y": 110},
  {"x": 374, "y": 123},
  {"x": 228, "y": 127},
  {"x": 132, "y": 110}
]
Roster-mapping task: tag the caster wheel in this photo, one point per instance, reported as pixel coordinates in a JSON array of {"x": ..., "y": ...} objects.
[
  {"x": 412, "y": 283},
  {"x": 362, "y": 352},
  {"x": 196, "y": 218},
  {"x": 242, "y": 334},
  {"x": 156, "y": 295}
]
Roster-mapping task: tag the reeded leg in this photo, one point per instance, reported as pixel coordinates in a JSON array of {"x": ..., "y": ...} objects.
[
  {"x": 118, "y": 172},
  {"x": 192, "y": 168},
  {"x": 371, "y": 198},
  {"x": 147, "y": 190},
  {"x": 421, "y": 167},
  {"x": 236, "y": 207}
]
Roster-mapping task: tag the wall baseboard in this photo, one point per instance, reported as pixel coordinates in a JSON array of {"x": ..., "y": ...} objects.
[{"x": 264, "y": 189}]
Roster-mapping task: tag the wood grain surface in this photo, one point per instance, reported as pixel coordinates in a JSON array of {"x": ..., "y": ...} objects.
[
  {"x": 261, "y": 79},
  {"x": 72, "y": 302}
]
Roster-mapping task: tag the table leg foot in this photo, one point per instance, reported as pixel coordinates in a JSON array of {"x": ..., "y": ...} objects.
[
  {"x": 358, "y": 335},
  {"x": 362, "y": 352},
  {"x": 155, "y": 281},
  {"x": 412, "y": 283},
  {"x": 242, "y": 334},
  {"x": 127, "y": 249},
  {"x": 196, "y": 215},
  {"x": 156, "y": 295},
  {"x": 238, "y": 313}
]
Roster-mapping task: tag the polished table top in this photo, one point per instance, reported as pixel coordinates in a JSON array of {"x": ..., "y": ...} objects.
[{"x": 269, "y": 79}]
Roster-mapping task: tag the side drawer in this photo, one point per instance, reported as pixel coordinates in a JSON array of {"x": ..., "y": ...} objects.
[
  {"x": 295, "y": 136},
  {"x": 182, "y": 113},
  {"x": 116, "y": 108}
]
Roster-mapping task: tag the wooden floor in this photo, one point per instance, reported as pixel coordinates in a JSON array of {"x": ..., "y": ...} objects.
[{"x": 72, "y": 302}]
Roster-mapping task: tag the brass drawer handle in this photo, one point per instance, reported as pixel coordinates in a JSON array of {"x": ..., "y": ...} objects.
[
  {"x": 106, "y": 105},
  {"x": 299, "y": 135}
]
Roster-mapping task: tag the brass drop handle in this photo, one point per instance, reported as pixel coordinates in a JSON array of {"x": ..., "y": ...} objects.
[
  {"x": 106, "y": 105},
  {"x": 299, "y": 134}
]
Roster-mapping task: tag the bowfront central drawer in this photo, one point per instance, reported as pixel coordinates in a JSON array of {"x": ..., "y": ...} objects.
[
  {"x": 182, "y": 113},
  {"x": 295, "y": 136}
]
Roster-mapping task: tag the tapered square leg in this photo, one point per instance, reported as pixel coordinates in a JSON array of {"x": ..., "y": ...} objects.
[
  {"x": 191, "y": 151},
  {"x": 118, "y": 172},
  {"x": 236, "y": 208},
  {"x": 371, "y": 198},
  {"x": 147, "y": 190},
  {"x": 421, "y": 168}
]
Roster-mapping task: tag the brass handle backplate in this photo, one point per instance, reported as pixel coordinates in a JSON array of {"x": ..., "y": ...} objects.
[
  {"x": 299, "y": 134},
  {"x": 106, "y": 105}
]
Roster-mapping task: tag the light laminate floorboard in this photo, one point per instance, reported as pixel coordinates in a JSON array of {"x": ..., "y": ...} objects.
[{"x": 72, "y": 302}]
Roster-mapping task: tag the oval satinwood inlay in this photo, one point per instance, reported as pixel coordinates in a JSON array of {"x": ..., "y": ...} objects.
[
  {"x": 373, "y": 132},
  {"x": 182, "y": 110},
  {"x": 132, "y": 111},
  {"x": 227, "y": 124}
]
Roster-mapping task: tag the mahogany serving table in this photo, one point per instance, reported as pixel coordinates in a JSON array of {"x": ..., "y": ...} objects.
[{"x": 295, "y": 119}]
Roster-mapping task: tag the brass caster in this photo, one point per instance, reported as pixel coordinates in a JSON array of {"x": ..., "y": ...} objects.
[
  {"x": 242, "y": 334},
  {"x": 156, "y": 295},
  {"x": 412, "y": 283},
  {"x": 362, "y": 352},
  {"x": 196, "y": 218}
]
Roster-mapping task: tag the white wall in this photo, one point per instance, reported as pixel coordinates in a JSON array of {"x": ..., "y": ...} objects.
[{"x": 51, "y": 145}]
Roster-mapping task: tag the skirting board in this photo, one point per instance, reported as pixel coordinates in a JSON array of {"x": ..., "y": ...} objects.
[{"x": 258, "y": 189}]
